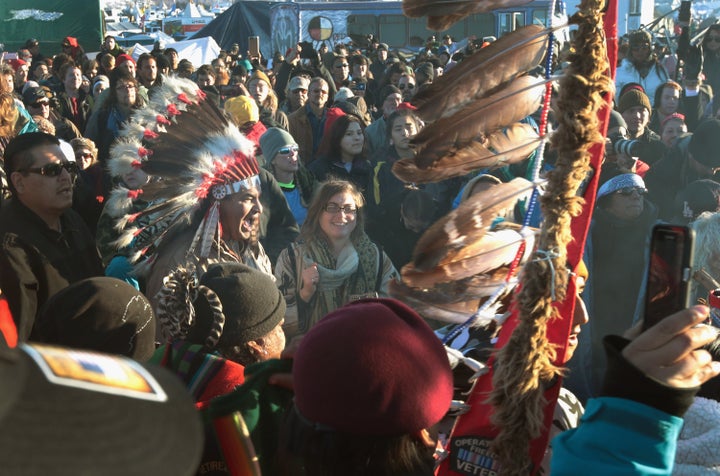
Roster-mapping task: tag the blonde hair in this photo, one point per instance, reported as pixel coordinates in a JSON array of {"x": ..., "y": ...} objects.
[{"x": 8, "y": 115}]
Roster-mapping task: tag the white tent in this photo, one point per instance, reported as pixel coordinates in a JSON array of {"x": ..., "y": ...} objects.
[{"x": 199, "y": 51}]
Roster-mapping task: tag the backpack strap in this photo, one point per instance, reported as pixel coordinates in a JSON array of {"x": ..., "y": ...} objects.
[{"x": 378, "y": 280}]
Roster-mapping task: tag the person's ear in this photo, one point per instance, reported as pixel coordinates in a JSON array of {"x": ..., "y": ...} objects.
[
  {"x": 426, "y": 438},
  {"x": 18, "y": 181},
  {"x": 257, "y": 346}
]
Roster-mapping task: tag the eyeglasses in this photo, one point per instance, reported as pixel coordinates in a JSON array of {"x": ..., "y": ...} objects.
[
  {"x": 288, "y": 149},
  {"x": 333, "y": 208},
  {"x": 409, "y": 86},
  {"x": 127, "y": 86},
  {"x": 716, "y": 39},
  {"x": 627, "y": 191},
  {"x": 53, "y": 169}
]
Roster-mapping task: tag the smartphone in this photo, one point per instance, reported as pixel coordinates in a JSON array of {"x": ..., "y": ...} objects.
[
  {"x": 684, "y": 13},
  {"x": 669, "y": 272},
  {"x": 254, "y": 46}
]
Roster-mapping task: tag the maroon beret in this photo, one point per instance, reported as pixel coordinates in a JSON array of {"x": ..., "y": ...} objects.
[{"x": 372, "y": 367}]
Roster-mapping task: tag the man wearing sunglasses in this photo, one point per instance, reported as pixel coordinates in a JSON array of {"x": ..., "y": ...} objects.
[
  {"x": 45, "y": 245},
  {"x": 641, "y": 65}
]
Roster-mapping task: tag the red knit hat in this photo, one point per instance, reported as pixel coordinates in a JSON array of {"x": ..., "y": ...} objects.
[{"x": 372, "y": 367}]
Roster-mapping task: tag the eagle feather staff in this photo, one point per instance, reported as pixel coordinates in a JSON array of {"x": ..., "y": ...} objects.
[
  {"x": 491, "y": 67},
  {"x": 442, "y": 14}
]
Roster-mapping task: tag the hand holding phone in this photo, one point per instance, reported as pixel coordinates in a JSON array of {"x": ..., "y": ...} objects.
[{"x": 669, "y": 272}]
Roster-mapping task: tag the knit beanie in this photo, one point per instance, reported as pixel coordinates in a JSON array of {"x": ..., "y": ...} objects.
[
  {"x": 633, "y": 98},
  {"x": 102, "y": 314},
  {"x": 242, "y": 109},
  {"x": 372, "y": 367},
  {"x": 273, "y": 140},
  {"x": 639, "y": 37},
  {"x": 257, "y": 74},
  {"x": 425, "y": 69},
  {"x": 251, "y": 302},
  {"x": 705, "y": 143}
]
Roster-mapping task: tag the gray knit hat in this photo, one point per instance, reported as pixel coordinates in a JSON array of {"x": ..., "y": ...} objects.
[{"x": 273, "y": 140}]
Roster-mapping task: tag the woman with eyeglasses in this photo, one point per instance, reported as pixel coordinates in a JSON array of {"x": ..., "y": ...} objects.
[
  {"x": 641, "y": 65},
  {"x": 333, "y": 262},
  {"x": 104, "y": 125},
  {"x": 282, "y": 158},
  {"x": 615, "y": 256}
]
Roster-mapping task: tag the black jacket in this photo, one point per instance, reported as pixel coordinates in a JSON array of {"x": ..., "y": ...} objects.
[{"x": 37, "y": 262}]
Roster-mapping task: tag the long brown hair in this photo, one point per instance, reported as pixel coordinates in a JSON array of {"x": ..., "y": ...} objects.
[{"x": 311, "y": 230}]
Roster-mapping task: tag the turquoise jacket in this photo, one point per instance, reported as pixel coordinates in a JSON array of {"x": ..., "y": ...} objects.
[{"x": 618, "y": 437}]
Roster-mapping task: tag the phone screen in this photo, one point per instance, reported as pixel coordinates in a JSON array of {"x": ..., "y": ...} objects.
[{"x": 669, "y": 272}]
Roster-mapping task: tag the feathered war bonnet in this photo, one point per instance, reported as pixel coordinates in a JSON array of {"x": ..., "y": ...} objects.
[{"x": 195, "y": 156}]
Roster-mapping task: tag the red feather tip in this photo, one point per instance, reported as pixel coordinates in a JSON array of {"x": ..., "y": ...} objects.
[
  {"x": 136, "y": 164},
  {"x": 173, "y": 110},
  {"x": 143, "y": 152},
  {"x": 148, "y": 134},
  {"x": 201, "y": 94},
  {"x": 182, "y": 97},
  {"x": 133, "y": 217},
  {"x": 134, "y": 194},
  {"x": 162, "y": 120},
  {"x": 99, "y": 199}
]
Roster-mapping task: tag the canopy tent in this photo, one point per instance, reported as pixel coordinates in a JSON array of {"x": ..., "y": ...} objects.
[
  {"x": 198, "y": 50},
  {"x": 243, "y": 19}
]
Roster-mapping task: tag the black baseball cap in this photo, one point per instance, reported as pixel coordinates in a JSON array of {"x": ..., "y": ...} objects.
[
  {"x": 82, "y": 412},
  {"x": 31, "y": 42}
]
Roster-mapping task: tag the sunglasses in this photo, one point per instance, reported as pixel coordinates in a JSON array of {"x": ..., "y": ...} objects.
[
  {"x": 627, "y": 191},
  {"x": 53, "y": 169},
  {"x": 359, "y": 87},
  {"x": 84, "y": 156},
  {"x": 288, "y": 149},
  {"x": 409, "y": 86},
  {"x": 333, "y": 208},
  {"x": 41, "y": 104}
]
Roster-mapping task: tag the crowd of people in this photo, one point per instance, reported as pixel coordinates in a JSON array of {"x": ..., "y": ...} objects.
[{"x": 224, "y": 220}]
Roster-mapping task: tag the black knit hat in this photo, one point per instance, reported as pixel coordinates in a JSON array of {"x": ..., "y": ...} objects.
[{"x": 251, "y": 302}]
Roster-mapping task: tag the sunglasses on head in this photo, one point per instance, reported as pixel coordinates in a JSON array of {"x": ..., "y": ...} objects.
[
  {"x": 53, "y": 169},
  {"x": 627, "y": 191},
  {"x": 288, "y": 149}
]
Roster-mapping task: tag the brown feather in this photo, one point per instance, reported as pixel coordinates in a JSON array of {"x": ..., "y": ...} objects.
[
  {"x": 509, "y": 146},
  {"x": 502, "y": 61},
  {"x": 496, "y": 251},
  {"x": 453, "y": 292},
  {"x": 468, "y": 223},
  {"x": 479, "y": 119},
  {"x": 447, "y": 12}
]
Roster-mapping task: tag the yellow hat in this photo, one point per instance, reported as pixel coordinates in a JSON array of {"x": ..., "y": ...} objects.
[{"x": 242, "y": 109}]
